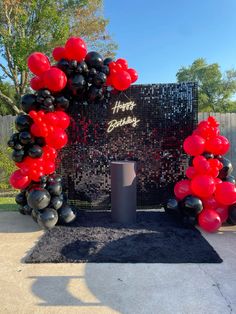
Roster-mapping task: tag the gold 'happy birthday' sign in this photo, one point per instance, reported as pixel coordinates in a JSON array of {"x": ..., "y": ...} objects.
[{"x": 122, "y": 107}]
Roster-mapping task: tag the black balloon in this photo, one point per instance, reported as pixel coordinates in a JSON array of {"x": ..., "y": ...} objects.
[
  {"x": 40, "y": 141},
  {"x": 63, "y": 64},
  {"x": 28, "y": 102},
  {"x": 34, "y": 215},
  {"x": 44, "y": 93},
  {"x": 105, "y": 69},
  {"x": 18, "y": 155},
  {"x": 66, "y": 214},
  {"x": 232, "y": 214},
  {"x": 25, "y": 138},
  {"x": 230, "y": 179},
  {"x": 107, "y": 61},
  {"x": 27, "y": 209},
  {"x": 11, "y": 143},
  {"x": 94, "y": 93},
  {"x": 62, "y": 103},
  {"x": 227, "y": 168},
  {"x": 23, "y": 122},
  {"x": 18, "y": 146},
  {"x": 35, "y": 151},
  {"x": 208, "y": 155},
  {"x": 38, "y": 198},
  {"x": 191, "y": 206},
  {"x": 54, "y": 178},
  {"x": 48, "y": 218},
  {"x": 94, "y": 60},
  {"x": 56, "y": 202},
  {"x": 99, "y": 79},
  {"x": 21, "y": 199},
  {"x": 54, "y": 188},
  {"x": 172, "y": 207},
  {"x": 77, "y": 82},
  {"x": 21, "y": 210}
]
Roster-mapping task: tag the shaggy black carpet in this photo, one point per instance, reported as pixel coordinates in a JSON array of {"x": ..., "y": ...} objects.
[{"x": 93, "y": 237}]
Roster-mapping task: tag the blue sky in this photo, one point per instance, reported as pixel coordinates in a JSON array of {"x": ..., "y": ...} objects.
[{"x": 158, "y": 37}]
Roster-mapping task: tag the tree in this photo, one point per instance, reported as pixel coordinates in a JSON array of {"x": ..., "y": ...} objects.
[
  {"x": 215, "y": 88},
  {"x": 39, "y": 25}
]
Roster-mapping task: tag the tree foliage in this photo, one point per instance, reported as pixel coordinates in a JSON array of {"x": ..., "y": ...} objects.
[
  {"x": 39, "y": 25},
  {"x": 215, "y": 88}
]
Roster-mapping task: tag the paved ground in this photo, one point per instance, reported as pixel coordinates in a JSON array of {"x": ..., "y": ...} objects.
[{"x": 112, "y": 288}]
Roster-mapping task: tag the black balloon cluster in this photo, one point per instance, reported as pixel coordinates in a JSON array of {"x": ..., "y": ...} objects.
[
  {"x": 86, "y": 79},
  {"x": 45, "y": 202},
  {"x": 23, "y": 142}
]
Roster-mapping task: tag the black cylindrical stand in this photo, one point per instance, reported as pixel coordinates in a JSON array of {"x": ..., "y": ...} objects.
[{"x": 123, "y": 191}]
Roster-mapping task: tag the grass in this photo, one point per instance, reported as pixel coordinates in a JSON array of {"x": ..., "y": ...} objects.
[{"x": 8, "y": 204}]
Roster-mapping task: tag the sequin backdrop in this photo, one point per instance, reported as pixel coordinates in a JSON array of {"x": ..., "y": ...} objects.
[{"x": 160, "y": 117}]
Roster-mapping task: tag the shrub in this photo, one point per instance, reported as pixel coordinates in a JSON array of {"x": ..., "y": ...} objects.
[{"x": 7, "y": 166}]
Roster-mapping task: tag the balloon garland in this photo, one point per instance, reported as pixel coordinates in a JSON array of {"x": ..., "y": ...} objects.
[
  {"x": 78, "y": 76},
  {"x": 208, "y": 195}
]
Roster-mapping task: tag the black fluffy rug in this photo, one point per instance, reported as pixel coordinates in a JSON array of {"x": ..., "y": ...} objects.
[{"x": 93, "y": 237}]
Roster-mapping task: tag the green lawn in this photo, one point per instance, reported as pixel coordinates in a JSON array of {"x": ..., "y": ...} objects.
[{"x": 8, "y": 204}]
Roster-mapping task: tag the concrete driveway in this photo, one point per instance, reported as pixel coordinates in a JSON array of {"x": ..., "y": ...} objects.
[{"x": 112, "y": 288}]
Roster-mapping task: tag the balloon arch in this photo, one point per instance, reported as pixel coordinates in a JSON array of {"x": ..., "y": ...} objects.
[
  {"x": 80, "y": 76},
  {"x": 207, "y": 197}
]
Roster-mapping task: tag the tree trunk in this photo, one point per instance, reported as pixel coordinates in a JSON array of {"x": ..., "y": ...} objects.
[{"x": 10, "y": 102}]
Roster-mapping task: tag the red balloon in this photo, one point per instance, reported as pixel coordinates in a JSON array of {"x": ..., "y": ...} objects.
[
  {"x": 225, "y": 144},
  {"x": 58, "y": 53},
  {"x": 182, "y": 189},
  {"x": 55, "y": 79},
  {"x": 18, "y": 181},
  {"x": 209, "y": 220},
  {"x": 49, "y": 167},
  {"x": 210, "y": 203},
  {"x": 203, "y": 186},
  {"x": 194, "y": 145},
  {"x": 63, "y": 120},
  {"x": 226, "y": 193},
  {"x": 121, "y": 80},
  {"x": 57, "y": 139},
  {"x": 133, "y": 74},
  {"x": 212, "y": 121},
  {"x": 201, "y": 164},
  {"x": 206, "y": 130},
  {"x": 36, "y": 174},
  {"x": 218, "y": 181},
  {"x": 190, "y": 172},
  {"x": 36, "y": 83},
  {"x": 215, "y": 163},
  {"x": 123, "y": 63},
  {"x": 39, "y": 130},
  {"x": 222, "y": 211},
  {"x": 51, "y": 119},
  {"x": 49, "y": 153},
  {"x": 38, "y": 63},
  {"x": 75, "y": 49},
  {"x": 218, "y": 145}
]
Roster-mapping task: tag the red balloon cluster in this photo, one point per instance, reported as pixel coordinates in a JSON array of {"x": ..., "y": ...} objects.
[
  {"x": 50, "y": 126},
  {"x": 208, "y": 175},
  {"x": 47, "y": 76},
  {"x": 120, "y": 76}
]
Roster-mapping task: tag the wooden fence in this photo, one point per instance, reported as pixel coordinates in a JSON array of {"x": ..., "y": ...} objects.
[{"x": 227, "y": 126}]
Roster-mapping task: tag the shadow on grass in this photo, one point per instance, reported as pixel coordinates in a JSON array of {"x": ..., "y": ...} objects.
[{"x": 8, "y": 207}]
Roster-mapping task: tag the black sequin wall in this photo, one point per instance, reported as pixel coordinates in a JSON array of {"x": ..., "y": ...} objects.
[{"x": 146, "y": 123}]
